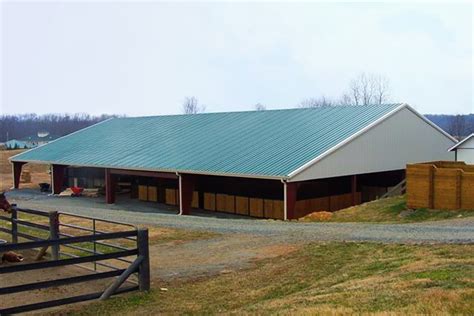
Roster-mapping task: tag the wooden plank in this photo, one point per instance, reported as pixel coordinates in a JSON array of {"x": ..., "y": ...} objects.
[
  {"x": 268, "y": 208},
  {"x": 419, "y": 185},
  {"x": 278, "y": 209},
  {"x": 209, "y": 201},
  {"x": 143, "y": 193},
  {"x": 305, "y": 207},
  {"x": 170, "y": 196},
  {"x": 220, "y": 202},
  {"x": 467, "y": 191},
  {"x": 339, "y": 202},
  {"x": 256, "y": 207},
  {"x": 152, "y": 194},
  {"x": 242, "y": 205},
  {"x": 195, "y": 200},
  {"x": 230, "y": 203},
  {"x": 445, "y": 189}
]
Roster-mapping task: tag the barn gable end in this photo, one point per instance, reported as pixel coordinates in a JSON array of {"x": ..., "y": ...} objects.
[{"x": 404, "y": 137}]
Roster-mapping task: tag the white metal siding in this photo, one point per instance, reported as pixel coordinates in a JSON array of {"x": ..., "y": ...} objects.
[
  {"x": 400, "y": 139},
  {"x": 466, "y": 151}
]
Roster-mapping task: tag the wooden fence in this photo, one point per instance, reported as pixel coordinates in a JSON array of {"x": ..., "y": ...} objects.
[
  {"x": 250, "y": 206},
  {"x": 440, "y": 185},
  {"x": 55, "y": 239},
  {"x": 243, "y": 205},
  {"x": 327, "y": 203}
]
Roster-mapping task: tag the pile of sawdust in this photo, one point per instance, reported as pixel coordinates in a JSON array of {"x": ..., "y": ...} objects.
[{"x": 317, "y": 216}]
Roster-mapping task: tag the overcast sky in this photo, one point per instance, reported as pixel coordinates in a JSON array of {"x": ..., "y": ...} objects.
[{"x": 145, "y": 58}]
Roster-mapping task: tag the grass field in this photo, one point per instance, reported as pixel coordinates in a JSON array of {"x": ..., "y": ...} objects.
[
  {"x": 331, "y": 278},
  {"x": 392, "y": 210}
]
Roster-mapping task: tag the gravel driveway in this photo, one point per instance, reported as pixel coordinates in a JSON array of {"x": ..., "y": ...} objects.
[{"x": 450, "y": 231}]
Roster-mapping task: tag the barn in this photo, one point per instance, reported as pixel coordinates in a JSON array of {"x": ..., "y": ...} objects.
[
  {"x": 279, "y": 164},
  {"x": 464, "y": 150}
]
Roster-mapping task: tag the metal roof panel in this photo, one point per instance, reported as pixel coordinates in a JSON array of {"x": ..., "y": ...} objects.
[{"x": 270, "y": 143}]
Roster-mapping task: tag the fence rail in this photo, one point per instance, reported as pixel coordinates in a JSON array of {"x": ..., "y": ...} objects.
[{"x": 51, "y": 237}]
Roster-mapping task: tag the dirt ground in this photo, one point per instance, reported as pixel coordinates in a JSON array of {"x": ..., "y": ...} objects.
[{"x": 39, "y": 173}]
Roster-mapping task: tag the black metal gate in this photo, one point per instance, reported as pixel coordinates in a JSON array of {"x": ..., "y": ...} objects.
[{"x": 58, "y": 242}]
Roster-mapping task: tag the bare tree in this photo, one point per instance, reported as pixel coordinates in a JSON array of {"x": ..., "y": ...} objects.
[
  {"x": 260, "y": 107},
  {"x": 367, "y": 89},
  {"x": 191, "y": 106},
  {"x": 316, "y": 102},
  {"x": 457, "y": 126}
]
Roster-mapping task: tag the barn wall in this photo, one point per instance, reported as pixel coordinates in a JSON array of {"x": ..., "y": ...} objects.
[
  {"x": 466, "y": 151},
  {"x": 400, "y": 139}
]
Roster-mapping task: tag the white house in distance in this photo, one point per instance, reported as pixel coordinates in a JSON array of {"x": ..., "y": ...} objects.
[{"x": 464, "y": 150}]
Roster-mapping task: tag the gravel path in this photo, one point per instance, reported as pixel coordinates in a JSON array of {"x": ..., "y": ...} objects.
[{"x": 450, "y": 231}]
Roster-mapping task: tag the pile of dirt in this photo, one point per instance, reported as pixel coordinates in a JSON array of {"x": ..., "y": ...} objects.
[{"x": 317, "y": 216}]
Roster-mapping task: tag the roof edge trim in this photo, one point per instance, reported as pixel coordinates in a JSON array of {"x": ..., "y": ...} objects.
[{"x": 461, "y": 142}]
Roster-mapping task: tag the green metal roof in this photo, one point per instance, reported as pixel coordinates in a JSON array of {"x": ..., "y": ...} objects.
[{"x": 269, "y": 144}]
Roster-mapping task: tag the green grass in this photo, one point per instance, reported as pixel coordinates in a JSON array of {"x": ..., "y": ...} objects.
[
  {"x": 389, "y": 210},
  {"x": 331, "y": 278}
]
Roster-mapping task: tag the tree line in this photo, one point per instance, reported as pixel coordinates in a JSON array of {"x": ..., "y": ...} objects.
[
  {"x": 364, "y": 89},
  {"x": 24, "y": 125}
]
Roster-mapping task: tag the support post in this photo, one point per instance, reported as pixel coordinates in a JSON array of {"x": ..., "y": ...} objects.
[
  {"x": 290, "y": 199},
  {"x": 354, "y": 189},
  {"x": 144, "y": 267},
  {"x": 58, "y": 178},
  {"x": 186, "y": 189},
  {"x": 54, "y": 233},
  {"x": 16, "y": 166},
  {"x": 121, "y": 279},
  {"x": 109, "y": 187},
  {"x": 14, "y": 225}
]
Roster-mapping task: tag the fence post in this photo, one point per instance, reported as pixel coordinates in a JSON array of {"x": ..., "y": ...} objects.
[
  {"x": 459, "y": 174},
  {"x": 431, "y": 182},
  {"x": 14, "y": 225},
  {"x": 54, "y": 233},
  {"x": 144, "y": 268}
]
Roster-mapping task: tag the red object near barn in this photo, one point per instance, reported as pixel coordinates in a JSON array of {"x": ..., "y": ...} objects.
[{"x": 77, "y": 190}]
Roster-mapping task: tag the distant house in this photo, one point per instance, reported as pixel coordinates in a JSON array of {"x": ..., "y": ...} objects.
[
  {"x": 464, "y": 150},
  {"x": 16, "y": 144},
  {"x": 39, "y": 139}
]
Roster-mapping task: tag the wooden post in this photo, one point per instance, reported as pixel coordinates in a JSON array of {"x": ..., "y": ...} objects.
[
  {"x": 186, "y": 189},
  {"x": 17, "y": 173},
  {"x": 458, "y": 188},
  {"x": 431, "y": 180},
  {"x": 58, "y": 178},
  {"x": 54, "y": 233},
  {"x": 109, "y": 187},
  {"x": 14, "y": 225},
  {"x": 354, "y": 189},
  {"x": 291, "y": 191},
  {"x": 144, "y": 267}
]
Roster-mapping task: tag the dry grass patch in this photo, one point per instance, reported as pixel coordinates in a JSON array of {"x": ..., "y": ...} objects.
[
  {"x": 39, "y": 173},
  {"x": 331, "y": 278}
]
